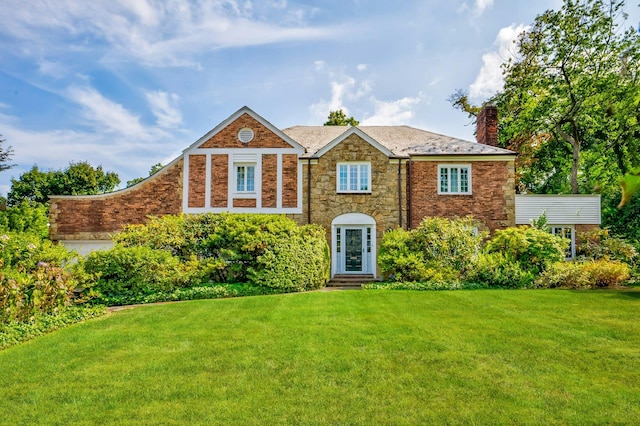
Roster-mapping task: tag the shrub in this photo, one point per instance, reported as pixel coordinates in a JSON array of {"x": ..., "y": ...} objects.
[
  {"x": 26, "y": 217},
  {"x": 413, "y": 285},
  {"x": 25, "y": 251},
  {"x": 598, "y": 244},
  {"x": 584, "y": 275},
  {"x": 24, "y": 295},
  {"x": 139, "y": 270},
  {"x": 433, "y": 252},
  {"x": 534, "y": 249},
  {"x": 298, "y": 263},
  {"x": 498, "y": 270}
]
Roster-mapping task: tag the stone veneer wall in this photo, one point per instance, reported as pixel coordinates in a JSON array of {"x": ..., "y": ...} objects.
[
  {"x": 381, "y": 203},
  {"x": 96, "y": 217},
  {"x": 492, "y": 198}
]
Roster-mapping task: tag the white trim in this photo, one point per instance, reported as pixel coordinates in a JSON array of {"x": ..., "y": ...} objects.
[
  {"x": 346, "y": 134},
  {"x": 265, "y": 210},
  {"x": 354, "y": 221},
  {"x": 459, "y": 167},
  {"x": 233, "y": 117},
  {"x": 279, "y": 181},
  {"x": 465, "y": 158},
  {"x": 207, "y": 186},
  {"x": 359, "y": 164}
]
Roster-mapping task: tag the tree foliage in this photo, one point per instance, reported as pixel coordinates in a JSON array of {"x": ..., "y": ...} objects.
[
  {"x": 571, "y": 100},
  {"x": 154, "y": 169},
  {"x": 79, "y": 178},
  {"x": 5, "y": 156},
  {"x": 339, "y": 118}
]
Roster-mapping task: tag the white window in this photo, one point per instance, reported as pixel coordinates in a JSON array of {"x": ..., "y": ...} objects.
[
  {"x": 245, "y": 177},
  {"x": 566, "y": 231},
  {"x": 354, "y": 177},
  {"x": 454, "y": 179}
]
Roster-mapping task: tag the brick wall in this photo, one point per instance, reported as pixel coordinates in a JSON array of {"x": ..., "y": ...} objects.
[
  {"x": 96, "y": 217},
  {"x": 228, "y": 137},
  {"x": 487, "y": 125},
  {"x": 269, "y": 180},
  {"x": 290, "y": 180},
  {"x": 492, "y": 198},
  {"x": 219, "y": 180},
  {"x": 197, "y": 175}
]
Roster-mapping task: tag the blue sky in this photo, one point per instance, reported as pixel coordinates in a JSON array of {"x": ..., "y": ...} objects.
[{"x": 129, "y": 83}]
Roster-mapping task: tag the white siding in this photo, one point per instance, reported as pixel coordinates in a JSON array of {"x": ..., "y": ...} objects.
[{"x": 560, "y": 209}]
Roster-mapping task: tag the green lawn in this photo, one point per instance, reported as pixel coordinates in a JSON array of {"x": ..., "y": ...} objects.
[{"x": 351, "y": 357}]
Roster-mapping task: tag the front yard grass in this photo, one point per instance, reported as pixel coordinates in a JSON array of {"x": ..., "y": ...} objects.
[{"x": 351, "y": 357}]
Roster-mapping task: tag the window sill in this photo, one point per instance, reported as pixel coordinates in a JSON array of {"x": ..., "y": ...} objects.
[
  {"x": 248, "y": 195},
  {"x": 353, "y": 192}
]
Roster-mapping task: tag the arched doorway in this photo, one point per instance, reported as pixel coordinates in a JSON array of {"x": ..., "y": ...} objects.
[{"x": 353, "y": 245}]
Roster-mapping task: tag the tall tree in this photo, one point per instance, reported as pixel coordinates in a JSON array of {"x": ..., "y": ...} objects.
[
  {"x": 77, "y": 179},
  {"x": 5, "y": 156},
  {"x": 571, "y": 99},
  {"x": 339, "y": 118}
]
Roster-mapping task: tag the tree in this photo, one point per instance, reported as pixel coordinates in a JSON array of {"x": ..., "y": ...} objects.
[
  {"x": 571, "y": 100},
  {"x": 77, "y": 179},
  {"x": 154, "y": 169},
  {"x": 5, "y": 156},
  {"x": 339, "y": 118}
]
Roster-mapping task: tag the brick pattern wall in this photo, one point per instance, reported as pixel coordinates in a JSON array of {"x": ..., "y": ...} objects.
[
  {"x": 228, "y": 137},
  {"x": 381, "y": 204},
  {"x": 197, "y": 177},
  {"x": 219, "y": 180},
  {"x": 244, "y": 202},
  {"x": 97, "y": 217},
  {"x": 269, "y": 180},
  {"x": 289, "y": 180},
  {"x": 492, "y": 198},
  {"x": 487, "y": 125}
]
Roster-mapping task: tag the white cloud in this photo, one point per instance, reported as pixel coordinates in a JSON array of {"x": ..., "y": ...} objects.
[
  {"x": 481, "y": 5},
  {"x": 162, "y": 33},
  {"x": 343, "y": 88},
  {"x": 392, "y": 112},
  {"x": 362, "y": 67},
  {"x": 489, "y": 79},
  {"x": 162, "y": 106}
]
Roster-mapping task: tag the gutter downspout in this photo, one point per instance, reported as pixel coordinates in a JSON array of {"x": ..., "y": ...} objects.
[
  {"x": 309, "y": 191},
  {"x": 409, "y": 198},
  {"x": 400, "y": 192}
]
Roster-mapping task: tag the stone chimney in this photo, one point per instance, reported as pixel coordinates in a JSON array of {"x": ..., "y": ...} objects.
[{"x": 487, "y": 125}]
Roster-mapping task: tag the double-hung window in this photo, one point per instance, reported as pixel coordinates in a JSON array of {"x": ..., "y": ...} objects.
[
  {"x": 245, "y": 177},
  {"x": 454, "y": 179},
  {"x": 354, "y": 177}
]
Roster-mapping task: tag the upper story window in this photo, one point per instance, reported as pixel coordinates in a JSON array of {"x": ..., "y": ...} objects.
[
  {"x": 354, "y": 177},
  {"x": 245, "y": 177},
  {"x": 454, "y": 179}
]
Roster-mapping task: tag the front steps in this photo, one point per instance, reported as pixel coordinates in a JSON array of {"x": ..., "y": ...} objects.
[{"x": 350, "y": 282}]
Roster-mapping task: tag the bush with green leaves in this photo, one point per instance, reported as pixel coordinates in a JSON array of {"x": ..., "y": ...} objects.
[
  {"x": 25, "y": 251},
  {"x": 589, "y": 274},
  {"x": 599, "y": 244},
  {"x": 239, "y": 247},
  {"x": 497, "y": 270},
  {"x": 297, "y": 263},
  {"x": 139, "y": 270},
  {"x": 532, "y": 248},
  {"x": 435, "y": 251},
  {"x": 26, "y": 217}
]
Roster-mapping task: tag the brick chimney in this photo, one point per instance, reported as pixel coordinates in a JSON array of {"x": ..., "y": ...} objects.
[{"x": 487, "y": 125}]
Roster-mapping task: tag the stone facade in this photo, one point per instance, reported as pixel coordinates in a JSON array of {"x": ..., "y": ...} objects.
[
  {"x": 382, "y": 203},
  {"x": 96, "y": 217},
  {"x": 492, "y": 198}
]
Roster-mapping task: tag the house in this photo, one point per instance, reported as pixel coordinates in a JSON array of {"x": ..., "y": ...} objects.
[{"x": 357, "y": 182}]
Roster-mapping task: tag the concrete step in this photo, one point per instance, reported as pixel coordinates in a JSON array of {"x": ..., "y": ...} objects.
[{"x": 348, "y": 281}]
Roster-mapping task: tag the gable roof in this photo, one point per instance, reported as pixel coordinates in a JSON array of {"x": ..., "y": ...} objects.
[
  {"x": 399, "y": 141},
  {"x": 233, "y": 117}
]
